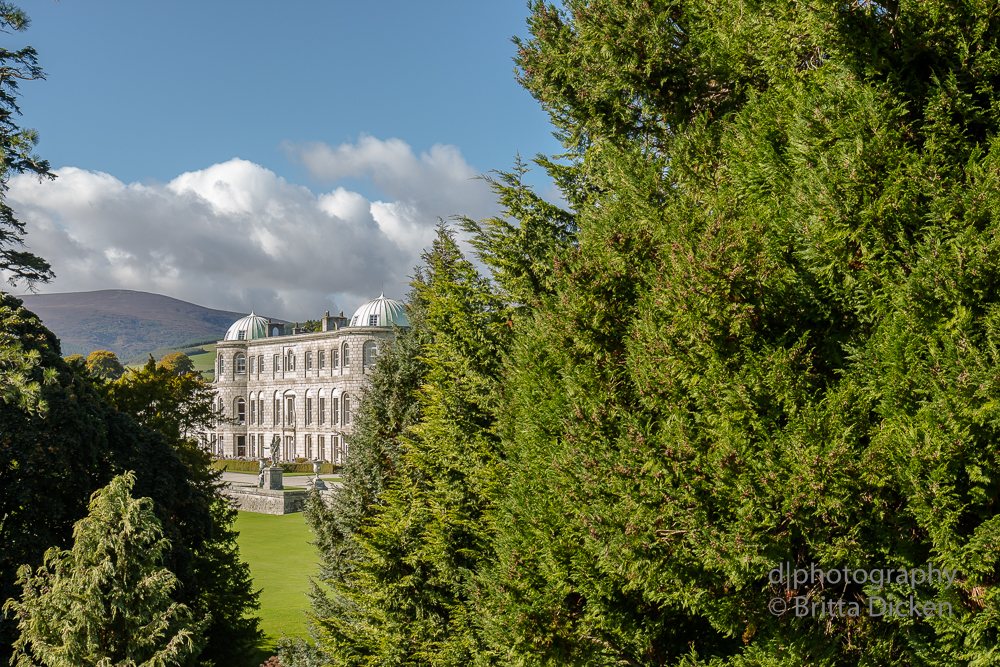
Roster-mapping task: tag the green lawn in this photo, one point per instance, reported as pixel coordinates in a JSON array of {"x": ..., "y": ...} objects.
[
  {"x": 281, "y": 560},
  {"x": 205, "y": 361}
]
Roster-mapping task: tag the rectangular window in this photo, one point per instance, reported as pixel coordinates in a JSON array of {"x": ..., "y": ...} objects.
[
  {"x": 253, "y": 414},
  {"x": 309, "y": 361},
  {"x": 309, "y": 411},
  {"x": 373, "y": 320},
  {"x": 290, "y": 411},
  {"x": 309, "y": 446},
  {"x": 335, "y": 449},
  {"x": 322, "y": 448},
  {"x": 335, "y": 417},
  {"x": 322, "y": 359},
  {"x": 334, "y": 358},
  {"x": 276, "y": 368},
  {"x": 253, "y": 445},
  {"x": 322, "y": 410},
  {"x": 251, "y": 364},
  {"x": 289, "y": 448},
  {"x": 241, "y": 445},
  {"x": 277, "y": 411},
  {"x": 347, "y": 410},
  {"x": 260, "y": 364}
]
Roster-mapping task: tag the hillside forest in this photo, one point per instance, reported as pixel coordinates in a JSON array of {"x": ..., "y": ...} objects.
[{"x": 760, "y": 328}]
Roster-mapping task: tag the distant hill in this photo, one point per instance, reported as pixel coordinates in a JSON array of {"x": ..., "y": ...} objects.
[{"x": 128, "y": 323}]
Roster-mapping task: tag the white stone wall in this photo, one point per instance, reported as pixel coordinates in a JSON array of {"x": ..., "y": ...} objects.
[{"x": 300, "y": 437}]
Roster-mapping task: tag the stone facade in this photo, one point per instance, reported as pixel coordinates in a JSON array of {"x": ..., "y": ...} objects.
[{"x": 303, "y": 388}]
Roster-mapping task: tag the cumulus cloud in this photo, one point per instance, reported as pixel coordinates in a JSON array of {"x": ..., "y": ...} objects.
[{"x": 236, "y": 236}]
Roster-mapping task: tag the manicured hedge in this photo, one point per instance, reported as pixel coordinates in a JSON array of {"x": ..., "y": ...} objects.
[{"x": 233, "y": 465}]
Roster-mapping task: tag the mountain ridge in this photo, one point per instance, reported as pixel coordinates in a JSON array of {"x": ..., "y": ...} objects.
[{"x": 126, "y": 322}]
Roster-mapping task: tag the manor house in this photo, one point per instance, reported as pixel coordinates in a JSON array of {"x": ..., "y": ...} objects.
[{"x": 301, "y": 387}]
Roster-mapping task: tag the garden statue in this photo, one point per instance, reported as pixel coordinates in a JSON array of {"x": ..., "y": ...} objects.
[
  {"x": 275, "y": 444},
  {"x": 260, "y": 472}
]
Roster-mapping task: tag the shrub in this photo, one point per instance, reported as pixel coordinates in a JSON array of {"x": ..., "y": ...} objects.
[{"x": 253, "y": 466}]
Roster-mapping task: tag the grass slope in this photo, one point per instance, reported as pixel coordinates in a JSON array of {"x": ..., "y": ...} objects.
[{"x": 281, "y": 562}]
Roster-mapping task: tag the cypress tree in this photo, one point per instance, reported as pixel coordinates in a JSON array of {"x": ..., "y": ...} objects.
[
  {"x": 108, "y": 600},
  {"x": 776, "y": 341}
]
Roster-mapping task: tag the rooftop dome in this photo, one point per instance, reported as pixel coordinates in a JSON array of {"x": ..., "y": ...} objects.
[
  {"x": 381, "y": 312},
  {"x": 248, "y": 328}
]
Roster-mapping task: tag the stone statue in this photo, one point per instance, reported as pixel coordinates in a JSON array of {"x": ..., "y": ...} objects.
[
  {"x": 275, "y": 445},
  {"x": 260, "y": 473}
]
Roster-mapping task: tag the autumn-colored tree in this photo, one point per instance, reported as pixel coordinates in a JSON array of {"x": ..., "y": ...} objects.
[
  {"x": 105, "y": 364},
  {"x": 177, "y": 363}
]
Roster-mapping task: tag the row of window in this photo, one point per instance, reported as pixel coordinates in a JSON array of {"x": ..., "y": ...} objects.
[
  {"x": 256, "y": 445},
  {"x": 339, "y": 413},
  {"x": 286, "y": 362}
]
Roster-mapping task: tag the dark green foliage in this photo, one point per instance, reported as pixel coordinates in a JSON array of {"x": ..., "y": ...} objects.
[
  {"x": 521, "y": 245},
  {"x": 387, "y": 409},
  {"x": 775, "y": 342},
  {"x": 176, "y": 407},
  {"x": 49, "y": 467},
  {"x": 107, "y": 601}
]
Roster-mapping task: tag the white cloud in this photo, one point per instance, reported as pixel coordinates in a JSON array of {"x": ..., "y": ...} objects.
[{"x": 236, "y": 236}]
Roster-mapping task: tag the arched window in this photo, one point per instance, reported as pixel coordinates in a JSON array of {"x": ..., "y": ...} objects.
[
  {"x": 241, "y": 411},
  {"x": 347, "y": 409},
  {"x": 241, "y": 364},
  {"x": 347, "y": 355},
  {"x": 370, "y": 353},
  {"x": 222, "y": 365}
]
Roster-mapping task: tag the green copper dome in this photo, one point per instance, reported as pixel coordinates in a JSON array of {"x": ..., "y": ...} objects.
[
  {"x": 381, "y": 312},
  {"x": 248, "y": 328}
]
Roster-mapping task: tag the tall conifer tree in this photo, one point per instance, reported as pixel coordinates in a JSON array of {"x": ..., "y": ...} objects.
[{"x": 776, "y": 342}]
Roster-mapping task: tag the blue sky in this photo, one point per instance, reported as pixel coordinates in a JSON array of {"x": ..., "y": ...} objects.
[
  {"x": 152, "y": 89},
  {"x": 397, "y": 103}
]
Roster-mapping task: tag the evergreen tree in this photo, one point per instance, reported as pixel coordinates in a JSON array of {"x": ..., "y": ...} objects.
[
  {"x": 178, "y": 407},
  {"x": 776, "y": 341},
  {"x": 50, "y": 465},
  {"x": 16, "y": 157},
  {"x": 107, "y": 601},
  {"x": 387, "y": 409}
]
